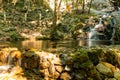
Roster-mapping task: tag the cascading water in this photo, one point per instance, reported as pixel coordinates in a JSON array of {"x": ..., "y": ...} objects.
[
  {"x": 103, "y": 30},
  {"x": 97, "y": 30}
]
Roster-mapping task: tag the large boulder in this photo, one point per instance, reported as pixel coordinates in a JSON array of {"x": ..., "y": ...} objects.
[
  {"x": 30, "y": 60},
  {"x": 104, "y": 70}
]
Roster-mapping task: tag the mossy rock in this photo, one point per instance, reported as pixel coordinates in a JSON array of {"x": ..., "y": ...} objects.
[
  {"x": 87, "y": 65},
  {"x": 94, "y": 55}
]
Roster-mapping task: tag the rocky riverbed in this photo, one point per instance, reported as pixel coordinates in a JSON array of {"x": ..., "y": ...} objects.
[{"x": 79, "y": 64}]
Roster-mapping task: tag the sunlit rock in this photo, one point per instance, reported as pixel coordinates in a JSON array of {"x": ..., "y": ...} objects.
[
  {"x": 9, "y": 49},
  {"x": 46, "y": 72},
  {"x": 113, "y": 68},
  {"x": 57, "y": 61},
  {"x": 104, "y": 70},
  {"x": 56, "y": 75},
  {"x": 17, "y": 70},
  {"x": 59, "y": 68},
  {"x": 51, "y": 69},
  {"x": 44, "y": 64},
  {"x": 65, "y": 76},
  {"x": 117, "y": 75}
]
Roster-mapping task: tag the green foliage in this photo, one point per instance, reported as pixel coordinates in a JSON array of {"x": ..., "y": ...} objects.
[
  {"x": 14, "y": 36},
  {"x": 57, "y": 35}
]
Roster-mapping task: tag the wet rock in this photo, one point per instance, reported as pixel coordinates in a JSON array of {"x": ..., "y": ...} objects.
[{"x": 104, "y": 70}]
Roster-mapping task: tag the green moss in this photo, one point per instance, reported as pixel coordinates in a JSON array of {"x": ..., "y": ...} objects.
[
  {"x": 94, "y": 55},
  {"x": 86, "y": 65}
]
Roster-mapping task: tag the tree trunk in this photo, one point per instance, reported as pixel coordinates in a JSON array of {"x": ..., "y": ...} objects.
[
  {"x": 55, "y": 14},
  {"x": 53, "y": 31},
  {"x": 90, "y": 7},
  {"x": 83, "y": 6}
]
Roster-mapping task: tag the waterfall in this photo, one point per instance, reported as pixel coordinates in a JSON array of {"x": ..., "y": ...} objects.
[
  {"x": 93, "y": 34},
  {"x": 113, "y": 24},
  {"x": 94, "y": 31}
]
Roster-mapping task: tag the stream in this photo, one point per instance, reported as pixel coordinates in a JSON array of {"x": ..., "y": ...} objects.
[{"x": 46, "y": 44}]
